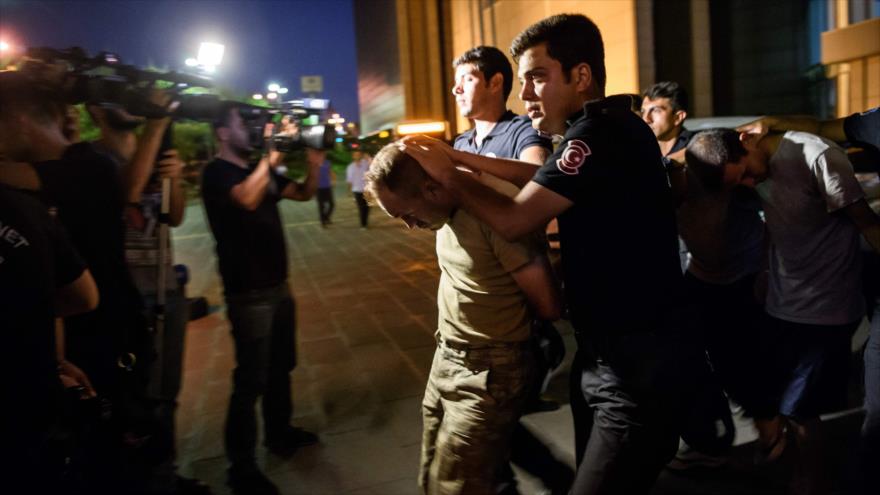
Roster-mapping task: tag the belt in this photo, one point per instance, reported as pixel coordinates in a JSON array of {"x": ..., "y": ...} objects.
[{"x": 482, "y": 346}]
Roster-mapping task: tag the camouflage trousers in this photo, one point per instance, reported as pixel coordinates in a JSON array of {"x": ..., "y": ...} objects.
[{"x": 474, "y": 398}]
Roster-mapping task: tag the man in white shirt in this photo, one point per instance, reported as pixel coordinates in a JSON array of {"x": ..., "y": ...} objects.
[{"x": 354, "y": 175}]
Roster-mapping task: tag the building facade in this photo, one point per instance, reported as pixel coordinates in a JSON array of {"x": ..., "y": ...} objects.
[{"x": 735, "y": 57}]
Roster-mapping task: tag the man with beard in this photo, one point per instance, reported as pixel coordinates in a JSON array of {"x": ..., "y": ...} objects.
[{"x": 240, "y": 201}]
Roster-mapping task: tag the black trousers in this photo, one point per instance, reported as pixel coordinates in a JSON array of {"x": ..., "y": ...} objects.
[
  {"x": 631, "y": 395},
  {"x": 324, "y": 195},
  {"x": 263, "y": 328},
  {"x": 363, "y": 208}
]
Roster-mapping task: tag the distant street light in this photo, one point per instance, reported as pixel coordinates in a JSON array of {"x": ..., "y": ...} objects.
[
  {"x": 282, "y": 91},
  {"x": 274, "y": 87},
  {"x": 271, "y": 96},
  {"x": 4, "y": 46},
  {"x": 191, "y": 62},
  {"x": 257, "y": 96},
  {"x": 210, "y": 54}
]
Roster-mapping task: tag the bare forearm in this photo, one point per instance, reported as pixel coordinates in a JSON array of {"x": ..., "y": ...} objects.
[
  {"x": 541, "y": 288},
  {"x": 802, "y": 123},
  {"x": 79, "y": 296},
  {"x": 866, "y": 221},
  {"x": 137, "y": 173},
  {"x": 491, "y": 207},
  {"x": 305, "y": 190},
  {"x": 249, "y": 193},
  {"x": 178, "y": 203},
  {"x": 310, "y": 184},
  {"x": 517, "y": 172}
]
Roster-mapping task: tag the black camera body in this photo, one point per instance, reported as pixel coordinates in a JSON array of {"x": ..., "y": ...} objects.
[
  {"x": 102, "y": 80},
  {"x": 309, "y": 131}
]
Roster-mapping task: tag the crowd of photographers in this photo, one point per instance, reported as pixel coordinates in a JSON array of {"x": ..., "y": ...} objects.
[
  {"x": 96, "y": 390},
  {"x": 95, "y": 308}
]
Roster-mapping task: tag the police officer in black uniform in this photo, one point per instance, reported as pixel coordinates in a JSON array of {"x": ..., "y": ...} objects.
[{"x": 607, "y": 186}]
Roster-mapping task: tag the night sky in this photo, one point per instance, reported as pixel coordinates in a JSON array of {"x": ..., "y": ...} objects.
[{"x": 266, "y": 41}]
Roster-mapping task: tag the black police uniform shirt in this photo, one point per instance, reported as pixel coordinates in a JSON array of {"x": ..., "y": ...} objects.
[
  {"x": 36, "y": 258},
  {"x": 86, "y": 189},
  {"x": 250, "y": 244},
  {"x": 511, "y": 135},
  {"x": 618, "y": 240}
]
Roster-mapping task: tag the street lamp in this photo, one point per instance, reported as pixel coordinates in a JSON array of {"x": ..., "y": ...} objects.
[
  {"x": 282, "y": 91},
  {"x": 4, "y": 46},
  {"x": 210, "y": 54},
  {"x": 271, "y": 96},
  {"x": 257, "y": 96},
  {"x": 274, "y": 87}
]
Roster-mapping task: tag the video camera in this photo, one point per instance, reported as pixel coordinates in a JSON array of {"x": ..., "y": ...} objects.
[
  {"x": 309, "y": 131},
  {"x": 103, "y": 80}
]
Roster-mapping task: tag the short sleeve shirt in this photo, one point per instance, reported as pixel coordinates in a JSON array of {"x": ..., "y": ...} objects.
[
  {"x": 354, "y": 174},
  {"x": 250, "y": 244},
  {"x": 815, "y": 263},
  {"x": 36, "y": 258},
  {"x": 618, "y": 240},
  {"x": 325, "y": 180},
  {"x": 511, "y": 135},
  {"x": 478, "y": 300}
]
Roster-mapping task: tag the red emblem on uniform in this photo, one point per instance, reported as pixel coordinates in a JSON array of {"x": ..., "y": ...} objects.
[{"x": 574, "y": 155}]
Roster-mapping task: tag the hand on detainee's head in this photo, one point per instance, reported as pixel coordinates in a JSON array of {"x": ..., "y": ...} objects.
[{"x": 397, "y": 183}]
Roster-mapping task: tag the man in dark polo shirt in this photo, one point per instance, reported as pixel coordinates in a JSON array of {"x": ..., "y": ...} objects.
[
  {"x": 241, "y": 203},
  {"x": 607, "y": 186},
  {"x": 664, "y": 109},
  {"x": 483, "y": 80}
]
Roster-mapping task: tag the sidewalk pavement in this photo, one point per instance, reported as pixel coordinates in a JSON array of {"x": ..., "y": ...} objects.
[{"x": 366, "y": 311}]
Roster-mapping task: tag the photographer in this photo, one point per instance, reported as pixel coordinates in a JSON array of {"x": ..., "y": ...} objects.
[
  {"x": 41, "y": 277},
  {"x": 135, "y": 157},
  {"x": 240, "y": 201},
  {"x": 110, "y": 343}
]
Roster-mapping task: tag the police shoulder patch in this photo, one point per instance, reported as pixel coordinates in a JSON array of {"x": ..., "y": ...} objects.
[{"x": 573, "y": 156}]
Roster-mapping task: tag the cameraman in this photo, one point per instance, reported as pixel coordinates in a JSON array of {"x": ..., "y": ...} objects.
[
  {"x": 240, "y": 201},
  {"x": 83, "y": 186},
  {"x": 135, "y": 156},
  {"x": 41, "y": 277}
]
